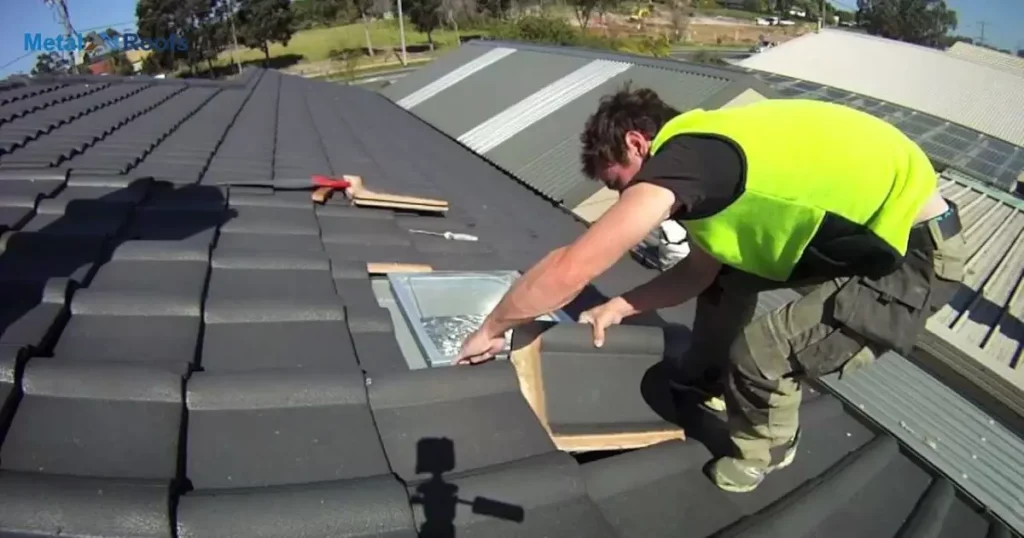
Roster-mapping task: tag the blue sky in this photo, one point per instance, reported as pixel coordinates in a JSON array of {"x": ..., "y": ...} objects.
[{"x": 1005, "y": 20}]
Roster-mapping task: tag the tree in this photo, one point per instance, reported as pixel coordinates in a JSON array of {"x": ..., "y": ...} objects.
[
  {"x": 50, "y": 64},
  {"x": 1020, "y": 53},
  {"x": 262, "y": 22},
  {"x": 923, "y": 22},
  {"x": 680, "y": 19},
  {"x": 426, "y": 16}
]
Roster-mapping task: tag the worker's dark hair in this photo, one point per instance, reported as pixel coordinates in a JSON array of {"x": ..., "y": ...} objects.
[{"x": 603, "y": 137}]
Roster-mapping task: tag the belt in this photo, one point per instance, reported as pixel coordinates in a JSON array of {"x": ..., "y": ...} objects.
[{"x": 948, "y": 225}]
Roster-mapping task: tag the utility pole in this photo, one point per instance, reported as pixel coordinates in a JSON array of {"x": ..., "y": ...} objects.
[
  {"x": 234, "y": 38},
  {"x": 821, "y": 16},
  {"x": 401, "y": 33},
  {"x": 982, "y": 24}
]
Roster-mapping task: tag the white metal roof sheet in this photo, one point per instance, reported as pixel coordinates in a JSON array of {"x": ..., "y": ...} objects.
[{"x": 974, "y": 95}]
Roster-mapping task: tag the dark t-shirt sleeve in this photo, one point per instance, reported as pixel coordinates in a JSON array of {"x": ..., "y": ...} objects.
[{"x": 705, "y": 173}]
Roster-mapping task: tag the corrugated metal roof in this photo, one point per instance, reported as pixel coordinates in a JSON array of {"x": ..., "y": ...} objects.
[
  {"x": 973, "y": 95},
  {"x": 987, "y": 313},
  {"x": 992, "y": 58},
  {"x": 475, "y": 99},
  {"x": 525, "y": 113},
  {"x": 975, "y": 451},
  {"x": 546, "y": 156},
  {"x": 460, "y": 73},
  {"x": 424, "y": 75}
]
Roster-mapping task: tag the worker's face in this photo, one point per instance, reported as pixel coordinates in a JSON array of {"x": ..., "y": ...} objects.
[{"x": 617, "y": 176}]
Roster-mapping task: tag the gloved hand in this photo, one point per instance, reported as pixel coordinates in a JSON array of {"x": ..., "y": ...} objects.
[{"x": 603, "y": 316}]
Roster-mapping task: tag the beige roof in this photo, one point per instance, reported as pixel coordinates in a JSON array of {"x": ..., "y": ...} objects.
[
  {"x": 974, "y": 95},
  {"x": 989, "y": 57}
]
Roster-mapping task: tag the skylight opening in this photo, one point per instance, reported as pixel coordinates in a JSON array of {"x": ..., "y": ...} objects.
[{"x": 441, "y": 308}]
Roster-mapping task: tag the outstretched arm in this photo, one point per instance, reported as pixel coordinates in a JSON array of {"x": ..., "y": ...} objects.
[
  {"x": 682, "y": 282},
  {"x": 558, "y": 278}
]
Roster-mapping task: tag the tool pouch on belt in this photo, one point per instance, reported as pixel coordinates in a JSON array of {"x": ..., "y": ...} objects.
[{"x": 890, "y": 310}]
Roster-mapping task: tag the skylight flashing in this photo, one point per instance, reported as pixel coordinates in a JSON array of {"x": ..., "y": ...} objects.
[{"x": 439, "y": 309}]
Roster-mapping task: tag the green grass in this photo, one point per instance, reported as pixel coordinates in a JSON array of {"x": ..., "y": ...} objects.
[
  {"x": 372, "y": 70},
  {"x": 734, "y": 13},
  {"x": 316, "y": 44}
]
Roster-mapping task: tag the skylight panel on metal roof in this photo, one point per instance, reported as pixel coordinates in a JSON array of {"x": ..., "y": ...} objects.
[{"x": 442, "y": 308}]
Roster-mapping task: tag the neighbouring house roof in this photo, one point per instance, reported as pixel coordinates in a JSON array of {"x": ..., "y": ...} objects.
[
  {"x": 522, "y": 106},
  {"x": 986, "y": 56},
  {"x": 965, "y": 92},
  {"x": 191, "y": 348}
]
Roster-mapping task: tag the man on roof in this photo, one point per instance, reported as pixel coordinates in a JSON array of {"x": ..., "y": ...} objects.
[{"x": 817, "y": 197}]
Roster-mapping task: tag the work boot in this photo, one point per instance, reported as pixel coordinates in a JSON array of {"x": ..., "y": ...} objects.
[
  {"x": 733, "y": 475},
  {"x": 709, "y": 389}
]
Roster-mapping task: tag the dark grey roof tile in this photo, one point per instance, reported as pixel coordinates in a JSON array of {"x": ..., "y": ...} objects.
[
  {"x": 274, "y": 243},
  {"x": 13, "y": 218},
  {"x": 625, "y": 377},
  {"x": 186, "y": 198},
  {"x": 298, "y": 427},
  {"x": 160, "y": 251},
  {"x": 264, "y": 295},
  {"x": 540, "y": 496},
  {"x": 456, "y": 403},
  {"x": 44, "y": 505},
  {"x": 355, "y": 231},
  {"x": 367, "y": 251},
  {"x": 272, "y": 220},
  {"x": 356, "y": 292},
  {"x": 343, "y": 210},
  {"x": 370, "y": 507},
  {"x": 369, "y": 320},
  {"x": 83, "y": 223},
  {"x": 278, "y": 199},
  {"x": 237, "y": 258},
  {"x": 34, "y": 325},
  {"x": 633, "y": 488},
  {"x": 379, "y": 353},
  {"x": 349, "y": 270},
  {"x": 179, "y": 281},
  {"x": 95, "y": 419},
  {"x": 117, "y": 301},
  {"x": 11, "y": 362},
  {"x": 433, "y": 244},
  {"x": 164, "y": 341},
  {"x": 300, "y": 345}
]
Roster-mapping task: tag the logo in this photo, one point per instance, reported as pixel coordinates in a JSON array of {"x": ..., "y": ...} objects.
[{"x": 103, "y": 43}]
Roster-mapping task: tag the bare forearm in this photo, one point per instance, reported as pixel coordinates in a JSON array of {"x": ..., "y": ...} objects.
[
  {"x": 684, "y": 281},
  {"x": 543, "y": 289}
]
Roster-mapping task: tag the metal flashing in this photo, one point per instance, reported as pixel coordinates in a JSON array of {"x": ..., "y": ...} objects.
[
  {"x": 453, "y": 77},
  {"x": 512, "y": 120}
]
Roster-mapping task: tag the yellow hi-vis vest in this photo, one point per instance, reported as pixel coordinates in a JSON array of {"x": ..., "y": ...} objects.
[{"x": 824, "y": 186}]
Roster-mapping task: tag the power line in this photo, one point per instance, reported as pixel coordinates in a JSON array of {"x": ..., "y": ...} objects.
[{"x": 16, "y": 60}]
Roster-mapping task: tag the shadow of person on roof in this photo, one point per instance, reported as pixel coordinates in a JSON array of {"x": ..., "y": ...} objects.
[
  {"x": 47, "y": 255},
  {"x": 56, "y": 250},
  {"x": 440, "y": 499}
]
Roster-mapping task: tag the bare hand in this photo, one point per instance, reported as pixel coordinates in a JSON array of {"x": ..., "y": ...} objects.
[
  {"x": 603, "y": 316},
  {"x": 480, "y": 347}
]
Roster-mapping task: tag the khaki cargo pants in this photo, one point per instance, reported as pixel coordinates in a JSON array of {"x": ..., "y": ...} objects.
[{"x": 837, "y": 325}]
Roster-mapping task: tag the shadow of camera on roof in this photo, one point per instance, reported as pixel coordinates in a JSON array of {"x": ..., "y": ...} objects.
[{"x": 439, "y": 500}]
